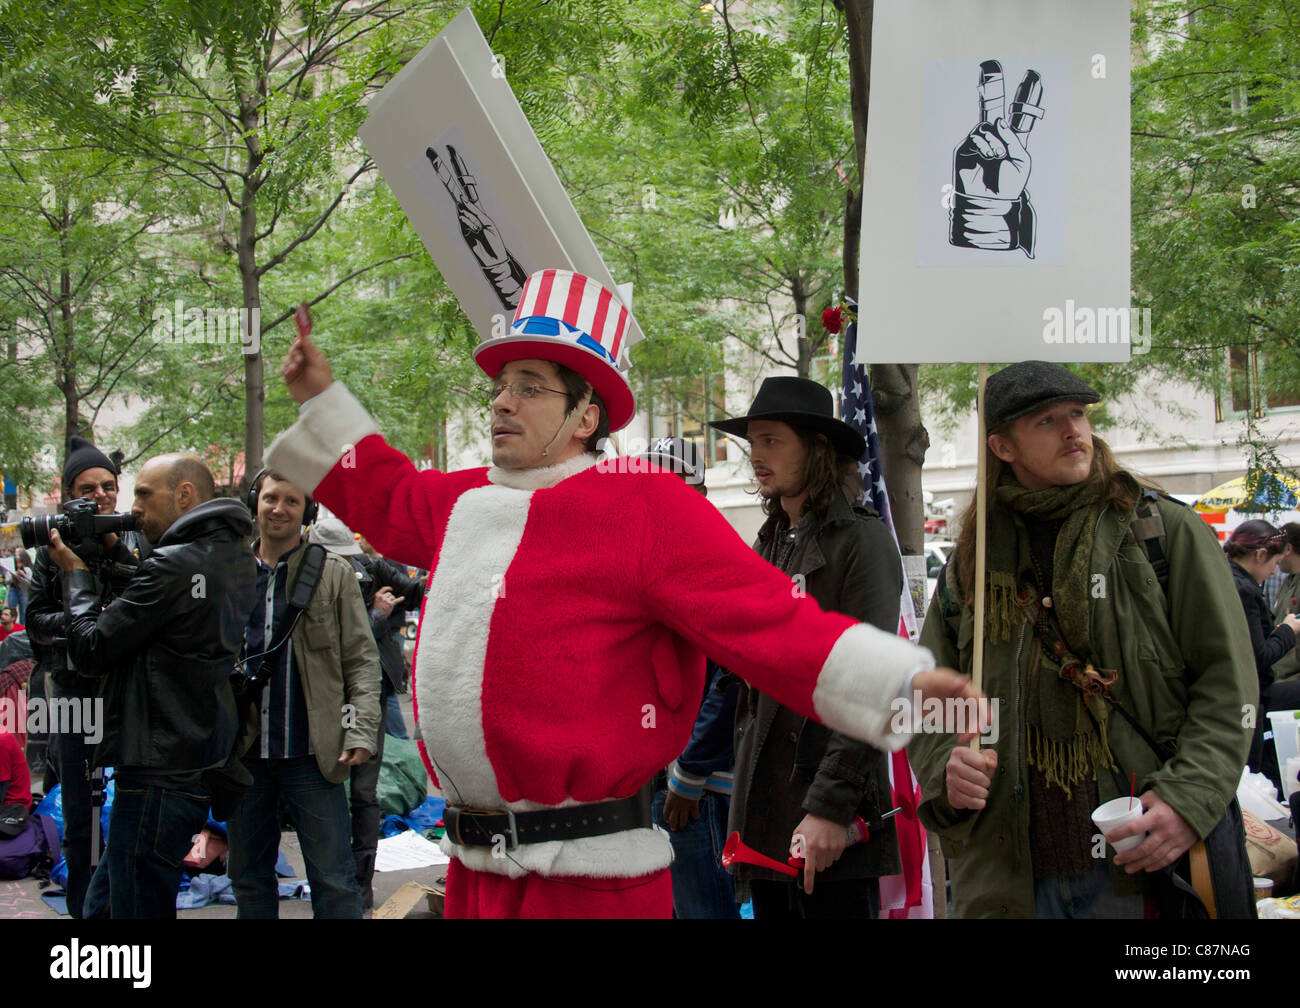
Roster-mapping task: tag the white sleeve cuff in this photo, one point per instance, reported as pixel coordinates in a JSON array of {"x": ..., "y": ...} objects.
[
  {"x": 328, "y": 427},
  {"x": 865, "y": 673}
]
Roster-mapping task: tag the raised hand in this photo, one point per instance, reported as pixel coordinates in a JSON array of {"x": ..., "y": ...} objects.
[{"x": 306, "y": 371}]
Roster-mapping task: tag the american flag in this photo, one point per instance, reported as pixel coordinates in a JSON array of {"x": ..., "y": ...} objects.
[
  {"x": 857, "y": 411},
  {"x": 910, "y": 894}
]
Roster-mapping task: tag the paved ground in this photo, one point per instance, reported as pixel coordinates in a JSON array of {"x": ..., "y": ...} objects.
[{"x": 23, "y": 898}]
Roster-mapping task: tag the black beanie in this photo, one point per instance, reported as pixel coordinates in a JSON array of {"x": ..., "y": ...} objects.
[{"x": 83, "y": 455}]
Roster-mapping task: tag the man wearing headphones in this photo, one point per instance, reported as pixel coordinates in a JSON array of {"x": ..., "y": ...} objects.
[{"x": 315, "y": 716}]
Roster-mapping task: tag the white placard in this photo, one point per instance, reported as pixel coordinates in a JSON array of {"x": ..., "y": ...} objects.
[
  {"x": 459, "y": 154},
  {"x": 995, "y": 221}
]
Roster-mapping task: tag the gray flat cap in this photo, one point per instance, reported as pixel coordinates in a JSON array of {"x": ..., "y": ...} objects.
[{"x": 1021, "y": 388}]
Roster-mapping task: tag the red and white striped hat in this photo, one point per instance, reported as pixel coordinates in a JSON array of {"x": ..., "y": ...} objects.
[{"x": 570, "y": 319}]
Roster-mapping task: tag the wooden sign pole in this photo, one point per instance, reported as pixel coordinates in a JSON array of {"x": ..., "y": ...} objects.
[{"x": 981, "y": 532}]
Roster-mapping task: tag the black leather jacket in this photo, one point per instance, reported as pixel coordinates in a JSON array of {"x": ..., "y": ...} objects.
[
  {"x": 168, "y": 643},
  {"x": 46, "y": 622}
]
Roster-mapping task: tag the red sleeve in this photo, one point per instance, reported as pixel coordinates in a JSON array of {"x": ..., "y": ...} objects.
[
  {"x": 401, "y": 510},
  {"x": 748, "y": 616}
]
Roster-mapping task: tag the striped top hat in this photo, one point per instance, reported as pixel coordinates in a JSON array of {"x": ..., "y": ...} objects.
[{"x": 570, "y": 319}]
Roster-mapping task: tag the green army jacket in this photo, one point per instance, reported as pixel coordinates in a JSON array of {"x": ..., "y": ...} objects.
[{"x": 1186, "y": 674}]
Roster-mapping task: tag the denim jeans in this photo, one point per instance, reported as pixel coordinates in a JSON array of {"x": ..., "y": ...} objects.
[
  {"x": 150, "y": 830},
  {"x": 1085, "y": 897},
  {"x": 702, "y": 888},
  {"x": 319, "y": 813},
  {"x": 16, "y": 599},
  {"x": 394, "y": 724}
]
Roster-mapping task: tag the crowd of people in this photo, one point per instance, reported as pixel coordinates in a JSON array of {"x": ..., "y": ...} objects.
[{"x": 608, "y": 682}]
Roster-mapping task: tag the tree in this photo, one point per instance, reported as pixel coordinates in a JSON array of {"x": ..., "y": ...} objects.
[
  {"x": 1216, "y": 196},
  {"x": 73, "y": 229},
  {"x": 251, "y": 109}
]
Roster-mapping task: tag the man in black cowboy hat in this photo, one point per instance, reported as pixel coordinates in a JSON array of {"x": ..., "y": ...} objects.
[
  {"x": 799, "y": 784},
  {"x": 1116, "y": 642}
]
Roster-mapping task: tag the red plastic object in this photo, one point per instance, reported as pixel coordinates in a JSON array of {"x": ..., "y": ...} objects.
[
  {"x": 736, "y": 851},
  {"x": 303, "y": 318}
]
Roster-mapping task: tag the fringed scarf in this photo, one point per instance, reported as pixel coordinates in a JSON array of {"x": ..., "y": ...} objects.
[{"x": 1063, "y": 741}]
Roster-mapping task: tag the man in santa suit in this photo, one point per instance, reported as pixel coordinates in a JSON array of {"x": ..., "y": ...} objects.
[{"x": 574, "y": 598}]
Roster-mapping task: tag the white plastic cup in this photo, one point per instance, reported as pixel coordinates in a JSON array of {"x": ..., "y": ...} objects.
[
  {"x": 1113, "y": 814},
  {"x": 1292, "y": 777}
]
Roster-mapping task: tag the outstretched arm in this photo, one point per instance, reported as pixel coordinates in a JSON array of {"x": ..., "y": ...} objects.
[{"x": 828, "y": 666}]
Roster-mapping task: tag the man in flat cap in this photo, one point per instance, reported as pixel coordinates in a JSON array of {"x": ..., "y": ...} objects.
[{"x": 1114, "y": 638}]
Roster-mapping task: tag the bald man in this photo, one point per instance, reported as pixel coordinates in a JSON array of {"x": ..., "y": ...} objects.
[{"x": 165, "y": 647}]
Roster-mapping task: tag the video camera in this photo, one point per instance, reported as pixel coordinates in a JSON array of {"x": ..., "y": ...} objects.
[{"x": 80, "y": 526}]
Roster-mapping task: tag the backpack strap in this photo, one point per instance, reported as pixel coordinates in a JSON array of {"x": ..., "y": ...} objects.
[{"x": 1149, "y": 531}]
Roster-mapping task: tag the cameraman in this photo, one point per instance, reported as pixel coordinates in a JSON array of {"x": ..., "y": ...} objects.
[
  {"x": 165, "y": 648},
  {"x": 88, "y": 475}
]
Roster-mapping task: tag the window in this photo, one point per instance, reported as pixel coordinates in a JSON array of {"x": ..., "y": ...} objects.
[
  {"x": 682, "y": 408},
  {"x": 1253, "y": 387}
]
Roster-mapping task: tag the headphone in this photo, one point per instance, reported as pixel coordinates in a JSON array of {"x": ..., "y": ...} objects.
[{"x": 309, "y": 512}]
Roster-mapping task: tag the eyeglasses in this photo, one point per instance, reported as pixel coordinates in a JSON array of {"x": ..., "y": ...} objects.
[{"x": 519, "y": 390}]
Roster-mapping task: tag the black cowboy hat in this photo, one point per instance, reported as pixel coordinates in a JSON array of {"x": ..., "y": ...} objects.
[{"x": 801, "y": 403}]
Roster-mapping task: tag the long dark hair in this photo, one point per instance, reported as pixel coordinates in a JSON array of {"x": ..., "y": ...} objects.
[
  {"x": 826, "y": 474},
  {"x": 1116, "y": 491}
]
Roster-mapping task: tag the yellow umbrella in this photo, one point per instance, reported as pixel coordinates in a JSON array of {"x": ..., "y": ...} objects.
[{"x": 1274, "y": 492}]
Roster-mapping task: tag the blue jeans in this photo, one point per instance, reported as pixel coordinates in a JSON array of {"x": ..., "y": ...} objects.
[
  {"x": 150, "y": 830},
  {"x": 394, "y": 725},
  {"x": 319, "y": 813},
  {"x": 16, "y": 599},
  {"x": 1085, "y": 897},
  {"x": 702, "y": 888}
]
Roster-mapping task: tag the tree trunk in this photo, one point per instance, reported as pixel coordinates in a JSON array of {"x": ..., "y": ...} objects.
[
  {"x": 67, "y": 328},
  {"x": 799, "y": 294},
  {"x": 254, "y": 392},
  {"x": 903, "y": 438}
]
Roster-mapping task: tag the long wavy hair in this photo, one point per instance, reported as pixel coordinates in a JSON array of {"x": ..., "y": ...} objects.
[
  {"x": 826, "y": 473},
  {"x": 1115, "y": 490}
]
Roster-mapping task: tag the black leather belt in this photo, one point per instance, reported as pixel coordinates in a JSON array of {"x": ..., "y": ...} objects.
[{"x": 474, "y": 827}]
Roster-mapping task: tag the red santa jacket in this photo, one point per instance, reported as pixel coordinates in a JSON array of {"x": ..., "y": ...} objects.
[{"x": 560, "y": 654}]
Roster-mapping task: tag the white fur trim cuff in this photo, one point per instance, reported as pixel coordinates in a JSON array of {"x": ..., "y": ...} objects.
[
  {"x": 861, "y": 678},
  {"x": 629, "y": 854},
  {"x": 328, "y": 427}
]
